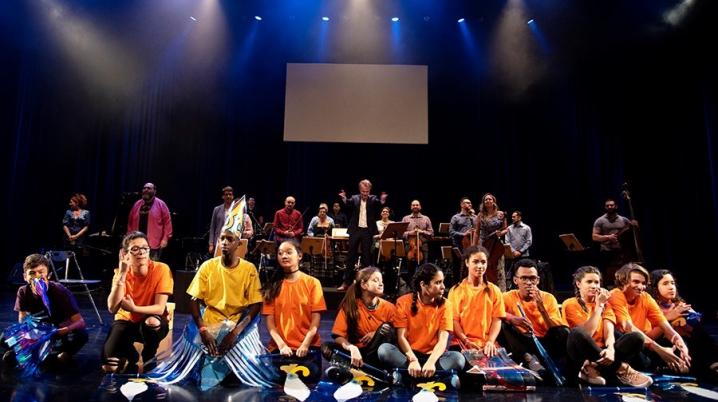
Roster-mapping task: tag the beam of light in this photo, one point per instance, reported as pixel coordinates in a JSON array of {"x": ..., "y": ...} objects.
[
  {"x": 469, "y": 43},
  {"x": 397, "y": 50},
  {"x": 539, "y": 37},
  {"x": 395, "y": 19},
  {"x": 325, "y": 19},
  {"x": 675, "y": 15},
  {"x": 515, "y": 63},
  {"x": 460, "y": 20},
  {"x": 193, "y": 18},
  {"x": 103, "y": 62},
  {"x": 258, "y": 18}
]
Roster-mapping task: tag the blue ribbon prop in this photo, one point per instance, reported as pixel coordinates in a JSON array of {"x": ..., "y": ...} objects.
[
  {"x": 41, "y": 289},
  {"x": 31, "y": 341},
  {"x": 604, "y": 390},
  {"x": 550, "y": 365}
]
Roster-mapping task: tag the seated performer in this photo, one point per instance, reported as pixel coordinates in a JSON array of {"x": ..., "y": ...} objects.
[
  {"x": 225, "y": 304},
  {"x": 542, "y": 317},
  {"x": 637, "y": 312},
  {"x": 293, "y": 303},
  {"x": 364, "y": 319},
  {"x": 138, "y": 298},
  {"x": 687, "y": 322},
  {"x": 423, "y": 321},
  {"x": 61, "y": 309},
  {"x": 477, "y": 306},
  {"x": 592, "y": 349},
  {"x": 321, "y": 224}
]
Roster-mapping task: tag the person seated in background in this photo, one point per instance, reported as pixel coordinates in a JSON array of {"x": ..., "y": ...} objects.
[
  {"x": 61, "y": 310},
  {"x": 321, "y": 224},
  {"x": 138, "y": 298},
  {"x": 686, "y": 322}
]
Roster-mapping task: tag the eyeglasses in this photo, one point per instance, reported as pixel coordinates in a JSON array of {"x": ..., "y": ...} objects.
[
  {"x": 139, "y": 250},
  {"x": 528, "y": 279}
]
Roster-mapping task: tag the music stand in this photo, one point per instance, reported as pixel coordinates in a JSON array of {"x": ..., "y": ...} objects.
[
  {"x": 265, "y": 247},
  {"x": 389, "y": 248},
  {"x": 447, "y": 253},
  {"x": 571, "y": 242},
  {"x": 312, "y": 245},
  {"x": 444, "y": 228},
  {"x": 394, "y": 230}
]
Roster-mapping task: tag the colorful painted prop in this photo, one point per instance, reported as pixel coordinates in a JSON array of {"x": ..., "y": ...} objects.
[
  {"x": 500, "y": 372},
  {"x": 31, "y": 340}
]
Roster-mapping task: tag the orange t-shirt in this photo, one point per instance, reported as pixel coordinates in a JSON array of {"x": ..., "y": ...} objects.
[
  {"x": 143, "y": 289},
  {"x": 540, "y": 326},
  {"x": 475, "y": 308},
  {"x": 575, "y": 316},
  {"x": 644, "y": 312},
  {"x": 422, "y": 329},
  {"x": 292, "y": 310},
  {"x": 367, "y": 321}
]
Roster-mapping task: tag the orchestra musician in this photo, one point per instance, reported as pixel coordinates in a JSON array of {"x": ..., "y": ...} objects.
[{"x": 288, "y": 222}]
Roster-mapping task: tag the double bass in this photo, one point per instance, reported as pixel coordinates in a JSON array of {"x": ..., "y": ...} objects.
[{"x": 631, "y": 249}]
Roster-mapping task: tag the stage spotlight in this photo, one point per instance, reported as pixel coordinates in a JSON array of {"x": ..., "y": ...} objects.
[
  {"x": 193, "y": 18},
  {"x": 460, "y": 20},
  {"x": 258, "y": 18},
  {"x": 531, "y": 21},
  {"x": 395, "y": 19},
  {"x": 325, "y": 18}
]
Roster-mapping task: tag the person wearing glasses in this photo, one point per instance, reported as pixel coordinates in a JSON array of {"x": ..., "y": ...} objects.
[
  {"x": 138, "y": 299},
  {"x": 540, "y": 315}
]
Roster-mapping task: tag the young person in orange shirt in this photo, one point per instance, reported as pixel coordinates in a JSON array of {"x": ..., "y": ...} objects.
[
  {"x": 293, "y": 303},
  {"x": 423, "y": 322},
  {"x": 637, "y": 312},
  {"x": 477, "y": 306},
  {"x": 138, "y": 298},
  {"x": 687, "y": 322},
  {"x": 543, "y": 318},
  {"x": 593, "y": 351},
  {"x": 364, "y": 319}
]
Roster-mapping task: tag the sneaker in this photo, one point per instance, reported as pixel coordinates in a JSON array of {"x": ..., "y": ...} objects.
[
  {"x": 533, "y": 363},
  {"x": 590, "y": 374},
  {"x": 629, "y": 376}
]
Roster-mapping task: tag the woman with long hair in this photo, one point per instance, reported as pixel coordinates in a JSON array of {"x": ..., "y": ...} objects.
[
  {"x": 686, "y": 322},
  {"x": 593, "y": 351},
  {"x": 364, "y": 319},
  {"x": 477, "y": 306},
  {"x": 491, "y": 223},
  {"x": 423, "y": 322},
  {"x": 293, "y": 303}
]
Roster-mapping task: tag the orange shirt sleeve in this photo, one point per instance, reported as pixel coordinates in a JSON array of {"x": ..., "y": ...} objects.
[
  {"x": 165, "y": 283},
  {"x": 340, "y": 327},
  {"x": 498, "y": 310},
  {"x": 619, "y": 305},
  {"x": 571, "y": 314},
  {"x": 447, "y": 319},
  {"x": 268, "y": 307},
  {"x": 316, "y": 295},
  {"x": 403, "y": 309},
  {"x": 654, "y": 314},
  {"x": 551, "y": 304}
]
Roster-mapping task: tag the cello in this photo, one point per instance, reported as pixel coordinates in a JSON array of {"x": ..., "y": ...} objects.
[
  {"x": 415, "y": 253},
  {"x": 636, "y": 246}
]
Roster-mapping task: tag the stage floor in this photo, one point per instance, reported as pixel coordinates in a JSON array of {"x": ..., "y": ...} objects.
[{"x": 84, "y": 381}]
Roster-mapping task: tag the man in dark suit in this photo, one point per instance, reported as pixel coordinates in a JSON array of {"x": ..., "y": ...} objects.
[{"x": 364, "y": 209}]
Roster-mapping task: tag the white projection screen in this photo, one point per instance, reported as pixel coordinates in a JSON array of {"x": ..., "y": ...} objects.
[{"x": 356, "y": 103}]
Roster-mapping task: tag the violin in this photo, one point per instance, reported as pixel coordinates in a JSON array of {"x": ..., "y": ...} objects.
[{"x": 415, "y": 252}]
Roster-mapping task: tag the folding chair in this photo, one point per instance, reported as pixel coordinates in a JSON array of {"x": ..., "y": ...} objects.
[{"x": 68, "y": 259}]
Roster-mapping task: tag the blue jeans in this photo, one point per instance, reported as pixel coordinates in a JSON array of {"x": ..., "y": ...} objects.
[{"x": 392, "y": 356}]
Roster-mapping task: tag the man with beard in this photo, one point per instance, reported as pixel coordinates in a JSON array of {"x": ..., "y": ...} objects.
[
  {"x": 419, "y": 225},
  {"x": 607, "y": 230},
  {"x": 543, "y": 318},
  {"x": 151, "y": 216}
]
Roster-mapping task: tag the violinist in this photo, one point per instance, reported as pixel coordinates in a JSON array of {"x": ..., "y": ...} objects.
[
  {"x": 462, "y": 224},
  {"x": 417, "y": 234},
  {"x": 288, "y": 222}
]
